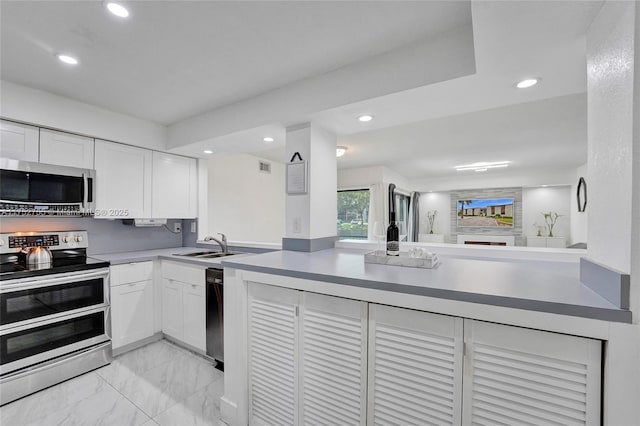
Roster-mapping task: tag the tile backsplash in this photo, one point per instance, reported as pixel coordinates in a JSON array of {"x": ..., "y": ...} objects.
[{"x": 105, "y": 236}]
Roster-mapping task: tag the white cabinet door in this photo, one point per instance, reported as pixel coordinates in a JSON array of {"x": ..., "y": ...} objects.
[
  {"x": 175, "y": 186},
  {"x": 415, "y": 367},
  {"x": 333, "y": 360},
  {"x": 556, "y": 242},
  {"x": 172, "y": 309},
  {"x": 273, "y": 355},
  {"x": 18, "y": 141},
  {"x": 520, "y": 376},
  {"x": 131, "y": 312},
  {"x": 194, "y": 308},
  {"x": 536, "y": 241},
  {"x": 65, "y": 149},
  {"x": 123, "y": 181}
]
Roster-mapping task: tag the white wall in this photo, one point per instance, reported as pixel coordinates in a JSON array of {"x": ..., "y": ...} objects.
[
  {"x": 536, "y": 201},
  {"x": 45, "y": 109},
  {"x": 440, "y": 201},
  {"x": 610, "y": 73},
  {"x": 579, "y": 220},
  {"x": 359, "y": 178},
  {"x": 244, "y": 203}
]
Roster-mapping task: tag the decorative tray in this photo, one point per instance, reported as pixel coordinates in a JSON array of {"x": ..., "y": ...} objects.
[{"x": 404, "y": 259}]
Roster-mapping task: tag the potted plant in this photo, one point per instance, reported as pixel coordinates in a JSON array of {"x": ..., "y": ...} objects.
[
  {"x": 431, "y": 217},
  {"x": 550, "y": 219}
]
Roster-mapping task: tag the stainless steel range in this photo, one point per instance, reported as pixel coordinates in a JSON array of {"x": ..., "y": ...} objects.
[{"x": 54, "y": 311}]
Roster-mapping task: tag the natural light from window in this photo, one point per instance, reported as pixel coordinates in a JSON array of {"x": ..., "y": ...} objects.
[{"x": 353, "y": 214}]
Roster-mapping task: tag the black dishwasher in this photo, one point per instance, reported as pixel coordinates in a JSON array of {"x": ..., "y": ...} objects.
[{"x": 215, "y": 316}]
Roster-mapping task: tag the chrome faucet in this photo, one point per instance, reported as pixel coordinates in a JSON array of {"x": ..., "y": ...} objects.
[{"x": 223, "y": 243}]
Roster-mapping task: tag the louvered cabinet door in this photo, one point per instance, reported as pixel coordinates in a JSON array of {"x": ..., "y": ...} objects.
[
  {"x": 528, "y": 377},
  {"x": 333, "y": 361},
  {"x": 415, "y": 367},
  {"x": 273, "y": 355}
]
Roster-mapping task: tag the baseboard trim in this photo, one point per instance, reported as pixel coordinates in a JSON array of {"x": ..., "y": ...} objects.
[
  {"x": 140, "y": 343},
  {"x": 228, "y": 411}
]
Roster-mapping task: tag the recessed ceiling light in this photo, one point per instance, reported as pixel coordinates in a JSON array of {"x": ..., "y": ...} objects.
[
  {"x": 482, "y": 166},
  {"x": 67, "y": 59},
  {"x": 527, "y": 83},
  {"x": 117, "y": 9},
  {"x": 268, "y": 139},
  {"x": 208, "y": 151},
  {"x": 340, "y": 150},
  {"x": 365, "y": 118}
]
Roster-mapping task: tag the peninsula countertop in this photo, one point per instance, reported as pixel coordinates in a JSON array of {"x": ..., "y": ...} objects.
[{"x": 544, "y": 286}]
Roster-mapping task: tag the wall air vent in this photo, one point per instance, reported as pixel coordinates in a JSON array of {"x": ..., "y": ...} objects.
[{"x": 264, "y": 167}]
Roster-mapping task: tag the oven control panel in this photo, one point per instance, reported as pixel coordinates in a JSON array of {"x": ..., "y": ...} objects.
[
  {"x": 46, "y": 240},
  {"x": 59, "y": 240}
]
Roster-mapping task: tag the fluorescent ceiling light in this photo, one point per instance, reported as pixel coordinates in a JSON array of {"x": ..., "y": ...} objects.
[
  {"x": 67, "y": 59},
  {"x": 365, "y": 118},
  {"x": 208, "y": 151},
  {"x": 483, "y": 166},
  {"x": 117, "y": 9},
  {"x": 527, "y": 83},
  {"x": 268, "y": 139},
  {"x": 340, "y": 150}
]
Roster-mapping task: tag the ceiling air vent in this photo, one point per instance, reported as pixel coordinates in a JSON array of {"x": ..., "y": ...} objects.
[{"x": 264, "y": 167}]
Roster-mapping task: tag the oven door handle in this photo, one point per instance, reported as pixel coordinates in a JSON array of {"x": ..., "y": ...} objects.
[
  {"x": 107, "y": 323},
  {"x": 36, "y": 283}
]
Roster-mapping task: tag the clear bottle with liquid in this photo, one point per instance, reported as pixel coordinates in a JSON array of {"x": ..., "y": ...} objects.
[{"x": 393, "y": 237}]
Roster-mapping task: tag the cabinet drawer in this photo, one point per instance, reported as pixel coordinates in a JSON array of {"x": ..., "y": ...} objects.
[
  {"x": 131, "y": 273},
  {"x": 183, "y": 273}
]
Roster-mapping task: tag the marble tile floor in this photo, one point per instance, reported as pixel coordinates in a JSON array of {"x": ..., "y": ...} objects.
[{"x": 158, "y": 384}]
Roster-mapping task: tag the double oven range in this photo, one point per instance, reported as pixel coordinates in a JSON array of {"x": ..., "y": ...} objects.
[{"x": 54, "y": 311}]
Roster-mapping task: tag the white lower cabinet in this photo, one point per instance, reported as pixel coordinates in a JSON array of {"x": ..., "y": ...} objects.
[
  {"x": 333, "y": 360},
  {"x": 316, "y": 359},
  {"x": 172, "y": 308},
  {"x": 415, "y": 367},
  {"x": 520, "y": 376},
  {"x": 273, "y": 355},
  {"x": 132, "y": 312},
  {"x": 307, "y": 358},
  {"x": 194, "y": 315},
  {"x": 184, "y": 304}
]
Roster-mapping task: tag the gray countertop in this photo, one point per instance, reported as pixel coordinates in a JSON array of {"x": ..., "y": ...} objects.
[
  {"x": 543, "y": 286},
  {"x": 166, "y": 254}
]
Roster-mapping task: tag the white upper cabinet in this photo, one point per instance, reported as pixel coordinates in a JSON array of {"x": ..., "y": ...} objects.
[
  {"x": 175, "y": 186},
  {"x": 65, "y": 149},
  {"x": 123, "y": 181},
  {"x": 18, "y": 141}
]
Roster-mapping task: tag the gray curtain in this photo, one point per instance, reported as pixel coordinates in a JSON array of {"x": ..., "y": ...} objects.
[{"x": 414, "y": 217}]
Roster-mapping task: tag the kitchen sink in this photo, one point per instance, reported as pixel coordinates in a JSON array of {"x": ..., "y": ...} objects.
[{"x": 207, "y": 254}]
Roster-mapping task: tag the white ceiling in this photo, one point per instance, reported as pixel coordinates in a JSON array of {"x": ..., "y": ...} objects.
[
  {"x": 174, "y": 59},
  {"x": 550, "y": 134},
  {"x": 488, "y": 119}
]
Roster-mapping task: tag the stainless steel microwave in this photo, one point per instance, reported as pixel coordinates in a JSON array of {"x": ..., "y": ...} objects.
[{"x": 35, "y": 189}]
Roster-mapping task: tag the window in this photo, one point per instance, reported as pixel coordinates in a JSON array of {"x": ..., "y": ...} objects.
[
  {"x": 402, "y": 214},
  {"x": 353, "y": 214}
]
